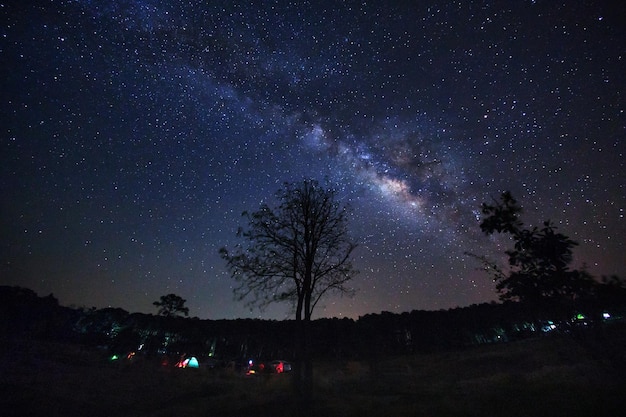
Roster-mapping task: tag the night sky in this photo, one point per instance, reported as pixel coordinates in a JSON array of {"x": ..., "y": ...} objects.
[{"x": 135, "y": 133}]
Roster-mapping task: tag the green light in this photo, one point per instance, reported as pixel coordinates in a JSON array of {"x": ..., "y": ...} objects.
[
  {"x": 114, "y": 357},
  {"x": 580, "y": 316}
]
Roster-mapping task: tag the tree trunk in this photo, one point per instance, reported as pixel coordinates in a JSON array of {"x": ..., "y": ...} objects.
[
  {"x": 303, "y": 378},
  {"x": 304, "y": 368}
]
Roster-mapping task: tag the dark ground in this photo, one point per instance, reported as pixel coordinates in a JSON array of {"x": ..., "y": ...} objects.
[{"x": 548, "y": 376}]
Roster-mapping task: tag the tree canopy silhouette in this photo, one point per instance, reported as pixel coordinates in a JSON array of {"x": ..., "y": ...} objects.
[
  {"x": 295, "y": 252},
  {"x": 539, "y": 263},
  {"x": 171, "y": 305}
]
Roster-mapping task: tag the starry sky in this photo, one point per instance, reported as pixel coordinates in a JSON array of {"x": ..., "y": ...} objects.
[{"x": 135, "y": 132}]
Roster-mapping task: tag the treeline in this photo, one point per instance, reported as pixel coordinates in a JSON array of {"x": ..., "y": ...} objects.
[{"x": 24, "y": 314}]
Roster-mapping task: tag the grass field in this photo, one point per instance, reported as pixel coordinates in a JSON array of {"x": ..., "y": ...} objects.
[{"x": 536, "y": 377}]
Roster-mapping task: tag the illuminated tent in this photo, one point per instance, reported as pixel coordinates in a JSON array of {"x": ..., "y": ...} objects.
[
  {"x": 192, "y": 362},
  {"x": 188, "y": 363}
]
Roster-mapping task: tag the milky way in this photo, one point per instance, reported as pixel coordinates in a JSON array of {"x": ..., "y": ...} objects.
[{"x": 134, "y": 134}]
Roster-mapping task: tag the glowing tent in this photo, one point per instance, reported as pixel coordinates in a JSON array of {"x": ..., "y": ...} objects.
[
  {"x": 188, "y": 363},
  {"x": 192, "y": 362}
]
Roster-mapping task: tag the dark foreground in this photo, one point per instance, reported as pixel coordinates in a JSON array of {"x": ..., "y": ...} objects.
[{"x": 549, "y": 376}]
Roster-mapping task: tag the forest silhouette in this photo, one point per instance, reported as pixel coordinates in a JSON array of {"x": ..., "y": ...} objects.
[{"x": 545, "y": 307}]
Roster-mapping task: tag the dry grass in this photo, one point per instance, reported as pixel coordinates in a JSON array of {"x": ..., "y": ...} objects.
[{"x": 540, "y": 377}]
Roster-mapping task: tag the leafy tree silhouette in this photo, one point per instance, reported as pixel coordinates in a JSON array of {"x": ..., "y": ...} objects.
[
  {"x": 539, "y": 263},
  {"x": 171, "y": 305}
]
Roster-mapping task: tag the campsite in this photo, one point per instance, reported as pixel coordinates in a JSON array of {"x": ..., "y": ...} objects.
[
  {"x": 483, "y": 360},
  {"x": 544, "y": 376}
]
